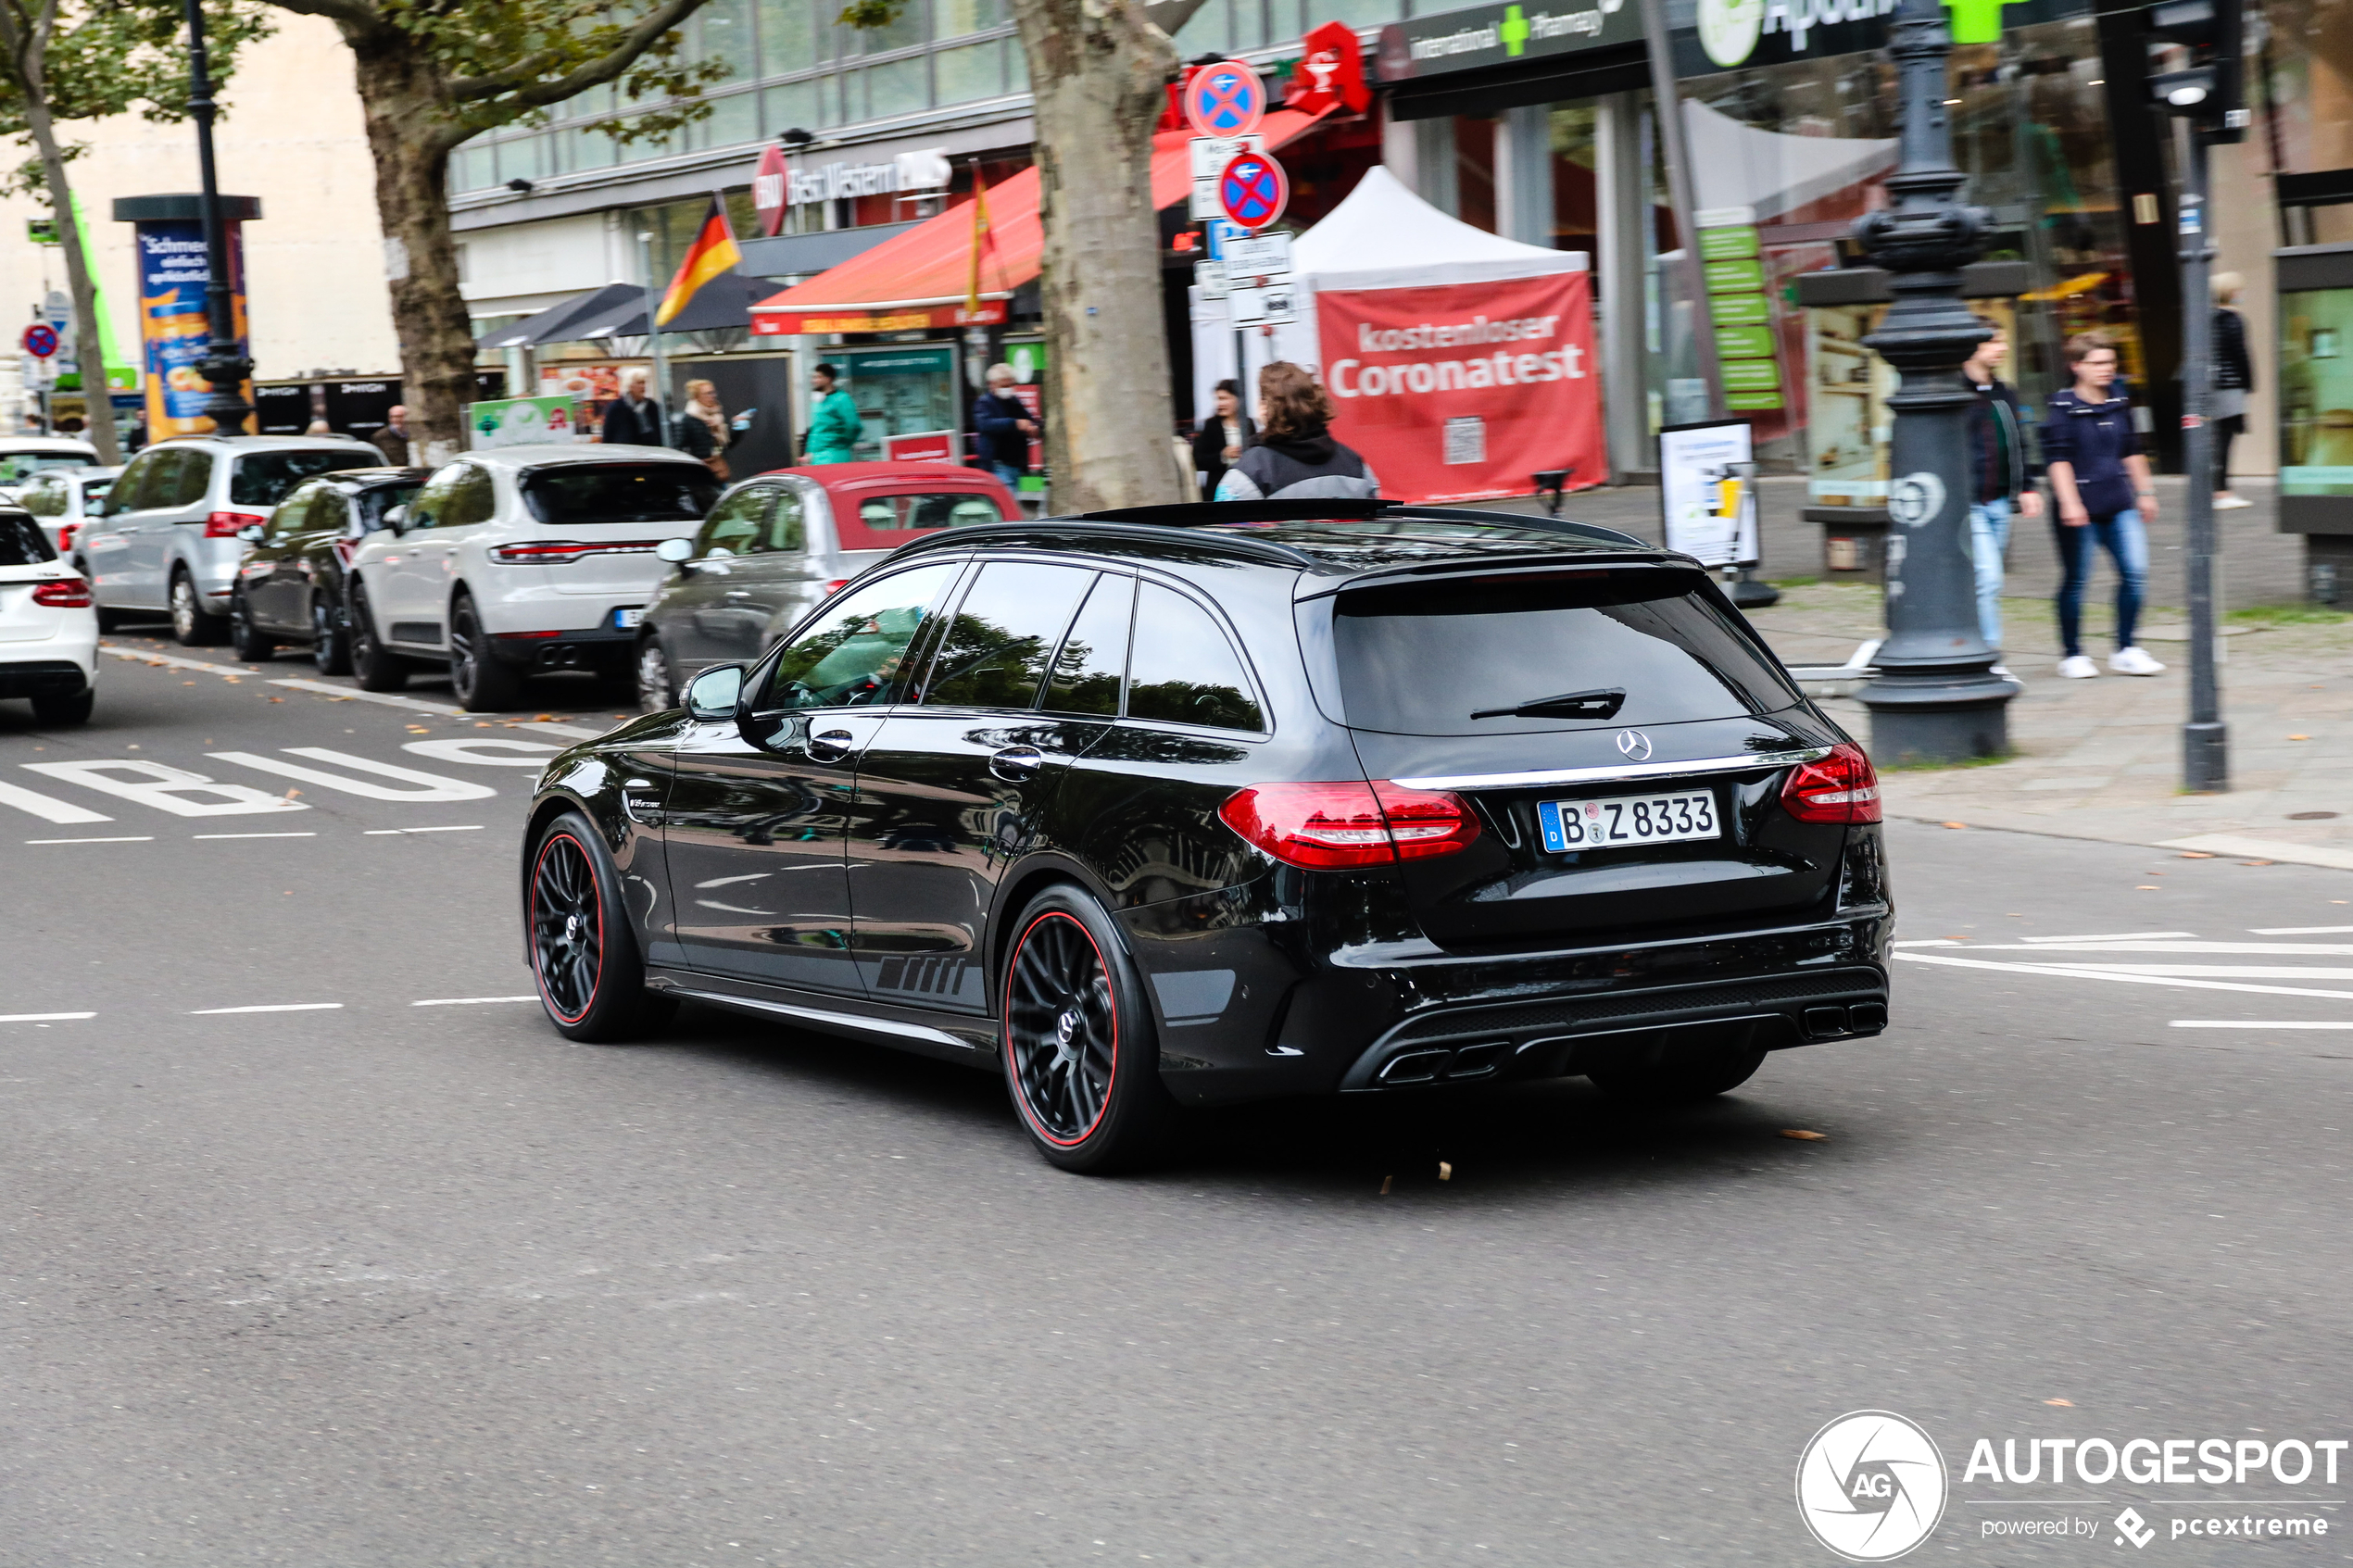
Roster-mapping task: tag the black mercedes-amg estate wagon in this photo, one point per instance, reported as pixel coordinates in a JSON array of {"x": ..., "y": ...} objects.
[{"x": 1179, "y": 805}]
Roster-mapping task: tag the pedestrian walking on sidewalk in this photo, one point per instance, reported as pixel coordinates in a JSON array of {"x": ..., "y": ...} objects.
[
  {"x": 1003, "y": 428},
  {"x": 633, "y": 418},
  {"x": 2233, "y": 379},
  {"x": 2105, "y": 496},
  {"x": 2003, "y": 477},
  {"x": 1225, "y": 435},
  {"x": 1296, "y": 457},
  {"x": 834, "y": 425}
]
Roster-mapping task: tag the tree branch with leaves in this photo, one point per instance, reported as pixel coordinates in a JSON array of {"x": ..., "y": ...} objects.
[{"x": 432, "y": 73}]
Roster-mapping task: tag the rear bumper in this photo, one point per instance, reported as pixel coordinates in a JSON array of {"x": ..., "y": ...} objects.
[
  {"x": 602, "y": 647},
  {"x": 43, "y": 677}
]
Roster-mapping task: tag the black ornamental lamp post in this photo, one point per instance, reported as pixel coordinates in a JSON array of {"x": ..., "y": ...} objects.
[
  {"x": 222, "y": 365},
  {"x": 1936, "y": 698}
]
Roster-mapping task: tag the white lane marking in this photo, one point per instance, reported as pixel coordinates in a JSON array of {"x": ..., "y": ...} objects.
[
  {"x": 2299, "y": 930},
  {"x": 389, "y": 832},
  {"x": 133, "y": 838},
  {"x": 2292, "y": 950},
  {"x": 2111, "y": 937},
  {"x": 465, "y": 749},
  {"x": 1916, "y": 942},
  {"x": 2062, "y": 971},
  {"x": 48, "y": 807},
  {"x": 2222, "y": 971},
  {"x": 167, "y": 789},
  {"x": 273, "y": 1007},
  {"x": 353, "y": 694},
  {"x": 2250, "y": 1023},
  {"x": 2263, "y": 849},
  {"x": 427, "y": 786},
  {"x": 570, "y": 732},
  {"x": 455, "y": 1001},
  {"x": 173, "y": 661},
  {"x": 41, "y": 1017},
  {"x": 255, "y": 835}
]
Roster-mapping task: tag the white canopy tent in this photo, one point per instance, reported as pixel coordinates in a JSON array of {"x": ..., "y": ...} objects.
[{"x": 1382, "y": 236}]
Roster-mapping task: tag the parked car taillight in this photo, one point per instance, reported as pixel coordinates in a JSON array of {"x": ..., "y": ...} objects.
[
  {"x": 1335, "y": 826},
  {"x": 69, "y": 593},
  {"x": 224, "y": 525},
  {"x": 65, "y": 536},
  {"x": 1842, "y": 787},
  {"x": 562, "y": 552}
]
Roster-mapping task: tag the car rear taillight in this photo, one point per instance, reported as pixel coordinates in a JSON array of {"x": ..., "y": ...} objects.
[
  {"x": 70, "y": 593},
  {"x": 65, "y": 536},
  {"x": 1842, "y": 787},
  {"x": 1336, "y": 826},
  {"x": 224, "y": 525},
  {"x": 563, "y": 552}
]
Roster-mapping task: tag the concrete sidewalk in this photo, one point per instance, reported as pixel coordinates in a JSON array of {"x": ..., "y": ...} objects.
[{"x": 2101, "y": 758}]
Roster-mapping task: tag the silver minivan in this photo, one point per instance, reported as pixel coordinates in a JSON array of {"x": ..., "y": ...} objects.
[{"x": 166, "y": 537}]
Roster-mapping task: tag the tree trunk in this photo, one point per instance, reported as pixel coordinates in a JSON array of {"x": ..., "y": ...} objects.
[
  {"x": 1098, "y": 71},
  {"x": 399, "y": 92},
  {"x": 89, "y": 341}
]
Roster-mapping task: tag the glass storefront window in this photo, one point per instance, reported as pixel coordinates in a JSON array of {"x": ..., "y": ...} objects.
[
  {"x": 734, "y": 120},
  {"x": 1208, "y": 30},
  {"x": 899, "y": 391},
  {"x": 1016, "y": 67},
  {"x": 791, "y": 103},
  {"x": 955, "y": 18},
  {"x": 899, "y": 87},
  {"x": 590, "y": 148},
  {"x": 911, "y": 25},
  {"x": 789, "y": 36},
  {"x": 2306, "y": 66},
  {"x": 976, "y": 71},
  {"x": 2316, "y": 392},
  {"x": 724, "y": 29},
  {"x": 470, "y": 169}
]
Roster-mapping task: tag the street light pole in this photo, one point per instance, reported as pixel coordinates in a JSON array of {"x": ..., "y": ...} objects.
[
  {"x": 222, "y": 365},
  {"x": 1936, "y": 698},
  {"x": 2206, "y": 757}
]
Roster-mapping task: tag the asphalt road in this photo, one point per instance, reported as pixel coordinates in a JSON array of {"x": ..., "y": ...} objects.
[{"x": 378, "y": 1282}]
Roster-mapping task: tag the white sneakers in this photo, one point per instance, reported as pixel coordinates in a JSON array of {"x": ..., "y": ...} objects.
[
  {"x": 2227, "y": 502},
  {"x": 2128, "y": 661}
]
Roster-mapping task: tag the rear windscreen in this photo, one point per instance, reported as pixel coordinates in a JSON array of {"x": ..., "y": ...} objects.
[
  {"x": 585, "y": 492},
  {"x": 884, "y": 522},
  {"x": 21, "y": 541},
  {"x": 1633, "y": 647},
  {"x": 262, "y": 479}
]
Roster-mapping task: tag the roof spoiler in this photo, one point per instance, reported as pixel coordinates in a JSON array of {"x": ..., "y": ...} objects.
[{"x": 1201, "y": 514}]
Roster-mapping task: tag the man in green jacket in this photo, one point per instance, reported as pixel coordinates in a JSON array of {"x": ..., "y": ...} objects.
[{"x": 833, "y": 425}]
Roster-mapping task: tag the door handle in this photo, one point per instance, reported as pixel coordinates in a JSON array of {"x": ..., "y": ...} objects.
[
  {"x": 831, "y": 745},
  {"x": 739, "y": 592},
  {"x": 1016, "y": 763}
]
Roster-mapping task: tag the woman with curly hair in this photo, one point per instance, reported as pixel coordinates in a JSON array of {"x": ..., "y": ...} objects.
[{"x": 1296, "y": 457}]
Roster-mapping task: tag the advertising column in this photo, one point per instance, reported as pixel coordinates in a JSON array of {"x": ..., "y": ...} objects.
[{"x": 172, "y": 278}]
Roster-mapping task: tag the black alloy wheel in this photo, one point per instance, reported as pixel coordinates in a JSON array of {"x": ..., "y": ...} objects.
[
  {"x": 194, "y": 625},
  {"x": 1079, "y": 1059},
  {"x": 377, "y": 667},
  {"x": 330, "y": 635},
  {"x": 483, "y": 684},
  {"x": 592, "y": 981},
  {"x": 657, "y": 692},
  {"x": 244, "y": 639}
]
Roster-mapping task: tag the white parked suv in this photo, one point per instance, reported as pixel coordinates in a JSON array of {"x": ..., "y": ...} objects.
[
  {"x": 166, "y": 536},
  {"x": 64, "y": 499},
  {"x": 517, "y": 559},
  {"x": 21, "y": 457},
  {"x": 48, "y": 631}
]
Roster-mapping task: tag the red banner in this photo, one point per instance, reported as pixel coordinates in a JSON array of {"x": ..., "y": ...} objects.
[
  {"x": 873, "y": 319},
  {"x": 1465, "y": 391}
]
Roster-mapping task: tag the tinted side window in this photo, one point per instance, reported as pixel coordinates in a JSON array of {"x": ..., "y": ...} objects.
[
  {"x": 1093, "y": 658},
  {"x": 22, "y": 542},
  {"x": 190, "y": 478},
  {"x": 293, "y": 514},
  {"x": 850, "y": 655},
  {"x": 734, "y": 524},
  {"x": 1182, "y": 668},
  {"x": 472, "y": 499},
  {"x": 131, "y": 485},
  {"x": 995, "y": 652},
  {"x": 262, "y": 479}
]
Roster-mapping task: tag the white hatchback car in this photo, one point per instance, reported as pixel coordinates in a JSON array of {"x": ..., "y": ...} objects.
[
  {"x": 48, "y": 628},
  {"x": 517, "y": 559},
  {"x": 21, "y": 457},
  {"x": 64, "y": 499}
]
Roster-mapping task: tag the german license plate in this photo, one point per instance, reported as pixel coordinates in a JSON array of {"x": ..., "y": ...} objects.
[
  {"x": 1628, "y": 819},
  {"x": 628, "y": 616}
]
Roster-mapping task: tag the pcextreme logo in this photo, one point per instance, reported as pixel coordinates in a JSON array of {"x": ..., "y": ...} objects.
[{"x": 1871, "y": 1486}]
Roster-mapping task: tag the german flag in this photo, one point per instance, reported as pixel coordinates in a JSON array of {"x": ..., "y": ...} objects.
[{"x": 712, "y": 253}]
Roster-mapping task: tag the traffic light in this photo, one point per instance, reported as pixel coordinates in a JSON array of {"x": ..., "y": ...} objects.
[{"x": 2195, "y": 48}]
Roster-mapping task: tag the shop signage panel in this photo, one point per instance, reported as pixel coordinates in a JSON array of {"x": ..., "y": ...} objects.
[
  {"x": 1738, "y": 311},
  {"x": 521, "y": 421},
  {"x": 1738, "y": 34},
  {"x": 1706, "y": 491},
  {"x": 883, "y": 318},
  {"x": 925, "y": 447},
  {"x": 1516, "y": 357},
  {"x": 173, "y": 276},
  {"x": 1480, "y": 36}
]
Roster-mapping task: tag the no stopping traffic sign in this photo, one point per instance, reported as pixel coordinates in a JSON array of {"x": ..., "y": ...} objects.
[
  {"x": 1254, "y": 190},
  {"x": 1225, "y": 100},
  {"x": 40, "y": 340}
]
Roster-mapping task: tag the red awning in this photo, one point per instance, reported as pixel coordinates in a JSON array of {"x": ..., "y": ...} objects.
[{"x": 918, "y": 279}]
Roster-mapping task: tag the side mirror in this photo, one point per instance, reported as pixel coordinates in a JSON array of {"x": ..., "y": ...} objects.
[
  {"x": 677, "y": 552},
  {"x": 396, "y": 518},
  {"x": 715, "y": 693},
  {"x": 250, "y": 534}
]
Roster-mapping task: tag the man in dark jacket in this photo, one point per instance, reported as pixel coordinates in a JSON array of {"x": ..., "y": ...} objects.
[
  {"x": 2105, "y": 496},
  {"x": 1002, "y": 426},
  {"x": 2003, "y": 477},
  {"x": 392, "y": 438},
  {"x": 634, "y": 420}
]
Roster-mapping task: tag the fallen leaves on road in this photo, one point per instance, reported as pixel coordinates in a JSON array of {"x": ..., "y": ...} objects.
[
  {"x": 1803, "y": 1136},
  {"x": 1445, "y": 1171},
  {"x": 421, "y": 729},
  {"x": 2195, "y": 854},
  {"x": 2147, "y": 887},
  {"x": 1384, "y": 1184},
  {"x": 2299, "y": 737},
  {"x": 1955, "y": 824},
  {"x": 277, "y": 699},
  {"x": 2063, "y": 1404},
  {"x": 2257, "y": 863}
]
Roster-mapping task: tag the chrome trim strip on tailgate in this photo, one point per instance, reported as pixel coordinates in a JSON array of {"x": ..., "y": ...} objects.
[{"x": 1621, "y": 771}]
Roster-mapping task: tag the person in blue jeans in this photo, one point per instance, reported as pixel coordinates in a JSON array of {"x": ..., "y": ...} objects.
[
  {"x": 1002, "y": 427},
  {"x": 2002, "y": 474},
  {"x": 2105, "y": 496}
]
